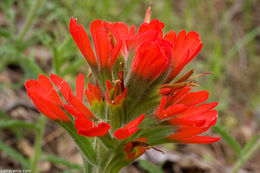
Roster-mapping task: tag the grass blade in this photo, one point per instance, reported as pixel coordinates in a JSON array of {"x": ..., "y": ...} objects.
[
  {"x": 14, "y": 154},
  {"x": 228, "y": 138},
  {"x": 58, "y": 160}
]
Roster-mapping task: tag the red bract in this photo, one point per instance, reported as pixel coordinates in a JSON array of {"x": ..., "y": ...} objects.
[
  {"x": 150, "y": 61},
  {"x": 93, "y": 93},
  {"x": 185, "y": 48},
  {"x": 129, "y": 128},
  {"x": 182, "y": 110},
  {"x": 45, "y": 98},
  {"x": 89, "y": 129},
  {"x": 115, "y": 95},
  {"x": 107, "y": 50},
  {"x": 75, "y": 104}
]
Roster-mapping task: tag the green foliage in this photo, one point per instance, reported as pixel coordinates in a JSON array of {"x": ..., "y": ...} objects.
[
  {"x": 149, "y": 167},
  {"x": 58, "y": 160},
  {"x": 14, "y": 154}
]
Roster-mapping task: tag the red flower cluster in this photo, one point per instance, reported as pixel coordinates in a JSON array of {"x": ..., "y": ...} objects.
[
  {"x": 47, "y": 100},
  {"x": 152, "y": 59}
]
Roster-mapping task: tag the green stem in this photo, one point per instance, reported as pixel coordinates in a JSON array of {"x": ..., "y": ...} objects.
[
  {"x": 228, "y": 138},
  {"x": 243, "y": 158},
  {"x": 37, "y": 147},
  {"x": 30, "y": 18}
]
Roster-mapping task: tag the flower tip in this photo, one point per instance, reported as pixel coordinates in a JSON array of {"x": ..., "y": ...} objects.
[{"x": 148, "y": 14}]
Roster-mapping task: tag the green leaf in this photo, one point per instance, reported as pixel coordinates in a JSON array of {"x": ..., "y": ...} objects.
[
  {"x": 4, "y": 33},
  {"x": 250, "y": 144},
  {"x": 14, "y": 154},
  {"x": 58, "y": 160},
  {"x": 228, "y": 138},
  {"x": 17, "y": 124},
  {"x": 149, "y": 167},
  {"x": 31, "y": 68}
]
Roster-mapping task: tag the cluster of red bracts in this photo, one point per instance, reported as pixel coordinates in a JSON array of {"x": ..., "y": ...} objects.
[
  {"x": 48, "y": 101},
  {"x": 148, "y": 56}
]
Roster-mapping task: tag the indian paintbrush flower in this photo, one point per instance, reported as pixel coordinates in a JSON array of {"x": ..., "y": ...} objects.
[{"x": 134, "y": 99}]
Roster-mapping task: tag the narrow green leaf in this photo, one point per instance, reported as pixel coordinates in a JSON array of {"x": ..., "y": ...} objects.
[
  {"x": 17, "y": 124},
  {"x": 149, "y": 167},
  {"x": 249, "y": 144},
  {"x": 246, "y": 156},
  {"x": 31, "y": 68},
  {"x": 14, "y": 154},
  {"x": 228, "y": 138},
  {"x": 4, "y": 33},
  {"x": 58, "y": 160}
]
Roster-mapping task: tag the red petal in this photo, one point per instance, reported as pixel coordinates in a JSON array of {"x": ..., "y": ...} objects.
[
  {"x": 200, "y": 140},
  {"x": 109, "y": 85},
  {"x": 100, "y": 130},
  {"x": 62, "y": 85},
  {"x": 102, "y": 46},
  {"x": 194, "y": 111},
  {"x": 123, "y": 133},
  {"x": 80, "y": 87},
  {"x": 48, "y": 108},
  {"x": 178, "y": 96},
  {"x": 155, "y": 24},
  {"x": 194, "y": 98},
  {"x": 174, "y": 109},
  {"x": 90, "y": 97},
  {"x": 75, "y": 113},
  {"x": 135, "y": 122},
  {"x": 82, "y": 123},
  {"x": 186, "y": 47},
  {"x": 161, "y": 107},
  {"x": 187, "y": 132},
  {"x": 115, "y": 53},
  {"x": 186, "y": 122},
  {"x": 150, "y": 61},
  {"x": 81, "y": 39},
  {"x": 79, "y": 106},
  {"x": 170, "y": 36}
]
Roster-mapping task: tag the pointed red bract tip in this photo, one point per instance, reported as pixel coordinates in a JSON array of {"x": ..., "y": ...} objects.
[
  {"x": 81, "y": 39},
  {"x": 93, "y": 93},
  {"x": 129, "y": 128},
  {"x": 80, "y": 86},
  {"x": 185, "y": 48},
  {"x": 45, "y": 98},
  {"x": 200, "y": 140},
  {"x": 150, "y": 61},
  {"x": 89, "y": 129}
]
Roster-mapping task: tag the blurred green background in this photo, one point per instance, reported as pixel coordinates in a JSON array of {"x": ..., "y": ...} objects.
[{"x": 34, "y": 39}]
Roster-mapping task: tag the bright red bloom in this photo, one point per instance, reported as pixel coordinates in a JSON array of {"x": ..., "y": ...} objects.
[
  {"x": 155, "y": 25},
  {"x": 89, "y": 129},
  {"x": 115, "y": 95},
  {"x": 45, "y": 98},
  {"x": 75, "y": 105},
  {"x": 185, "y": 47},
  {"x": 150, "y": 61},
  {"x": 129, "y": 128},
  {"x": 190, "y": 118},
  {"x": 106, "y": 50},
  {"x": 93, "y": 93}
]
